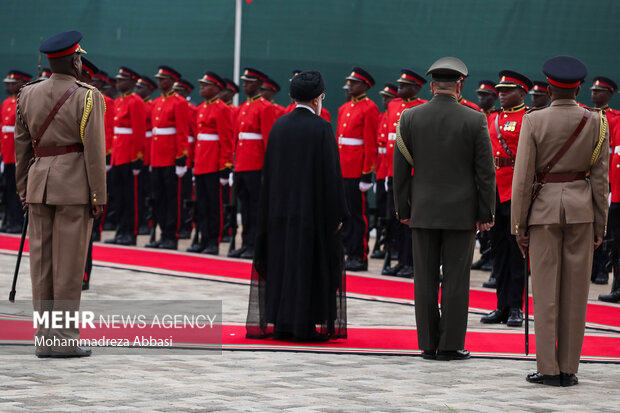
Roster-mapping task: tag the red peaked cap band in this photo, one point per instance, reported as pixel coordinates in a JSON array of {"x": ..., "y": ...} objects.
[
  {"x": 66, "y": 52},
  {"x": 508, "y": 79},
  {"x": 562, "y": 84}
]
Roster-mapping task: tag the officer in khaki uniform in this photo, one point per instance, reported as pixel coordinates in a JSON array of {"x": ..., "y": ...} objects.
[
  {"x": 567, "y": 219},
  {"x": 449, "y": 148},
  {"x": 61, "y": 177}
]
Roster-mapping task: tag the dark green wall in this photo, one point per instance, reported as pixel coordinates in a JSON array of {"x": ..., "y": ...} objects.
[{"x": 383, "y": 36}]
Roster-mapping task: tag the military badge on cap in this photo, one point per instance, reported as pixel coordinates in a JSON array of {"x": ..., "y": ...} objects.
[
  {"x": 46, "y": 73},
  {"x": 212, "y": 78},
  {"x": 62, "y": 44},
  {"x": 146, "y": 82},
  {"x": 183, "y": 84},
  {"x": 510, "y": 78},
  {"x": 167, "y": 72},
  {"x": 486, "y": 86},
  {"x": 539, "y": 88},
  {"x": 126, "y": 73},
  {"x": 411, "y": 77},
  {"x": 390, "y": 90},
  {"x": 360, "y": 75},
  {"x": 604, "y": 83},
  {"x": 253, "y": 75}
]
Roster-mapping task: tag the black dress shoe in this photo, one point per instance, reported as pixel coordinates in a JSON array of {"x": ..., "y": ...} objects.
[
  {"x": 495, "y": 317},
  {"x": 378, "y": 254},
  {"x": 392, "y": 270},
  {"x": 477, "y": 264},
  {"x": 515, "y": 318},
  {"x": 248, "y": 254},
  {"x": 185, "y": 233},
  {"x": 211, "y": 250},
  {"x": 226, "y": 238},
  {"x": 453, "y": 355},
  {"x": 539, "y": 378},
  {"x": 153, "y": 244},
  {"x": 168, "y": 244},
  {"x": 487, "y": 266},
  {"x": 85, "y": 285},
  {"x": 429, "y": 354},
  {"x": 195, "y": 248},
  {"x": 612, "y": 297},
  {"x": 490, "y": 283},
  {"x": 78, "y": 352},
  {"x": 126, "y": 240},
  {"x": 111, "y": 240},
  {"x": 405, "y": 272},
  {"x": 567, "y": 379},
  {"x": 602, "y": 278},
  {"x": 236, "y": 253},
  {"x": 95, "y": 236},
  {"x": 356, "y": 264},
  {"x": 14, "y": 229}
]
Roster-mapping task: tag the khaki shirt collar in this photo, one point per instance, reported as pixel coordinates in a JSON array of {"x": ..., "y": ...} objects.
[{"x": 564, "y": 102}]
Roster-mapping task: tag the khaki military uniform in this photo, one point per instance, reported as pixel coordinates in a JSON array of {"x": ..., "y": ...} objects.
[
  {"x": 60, "y": 189},
  {"x": 564, "y": 219}
]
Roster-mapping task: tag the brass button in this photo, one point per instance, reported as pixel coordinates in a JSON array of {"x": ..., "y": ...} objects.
[
  {"x": 403, "y": 105},
  {"x": 243, "y": 113},
  {"x": 201, "y": 115},
  {"x": 115, "y": 136},
  {"x": 382, "y": 135},
  {"x": 398, "y": 114},
  {"x": 385, "y": 125},
  {"x": 391, "y": 145},
  {"x": 242, "y": 123},
  {"x": 497, "y": 153},
  {"x": 155, "y": 138},
  {"x": 159, "y": 108},
  {"x": 352, "y": 105},
  {"x": 115, "y": 117},
  {"x": 505, "y": 115},
  {"x": 348, "y": 114},
  {"x": 240, "y": 143},
  {"x": 501, "y": 127},
  {"x": 345, "y": 125},
  {"x": 157, "y": 118}
]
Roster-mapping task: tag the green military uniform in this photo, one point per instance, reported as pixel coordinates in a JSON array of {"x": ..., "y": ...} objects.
[{"x": 452, "y": 188}]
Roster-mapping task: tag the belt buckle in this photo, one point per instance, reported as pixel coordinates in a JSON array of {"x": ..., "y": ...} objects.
[{"x": 496, "y": 162}]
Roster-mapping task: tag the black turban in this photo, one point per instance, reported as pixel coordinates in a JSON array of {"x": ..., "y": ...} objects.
[{"x": 307, "y": 86}]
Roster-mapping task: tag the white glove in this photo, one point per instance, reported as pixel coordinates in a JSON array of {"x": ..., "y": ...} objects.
[
  {"x": 135, "y": 172},
  {"x": 364, "y": 187},
  {"x": 230, "y": 179},
  {"x": 180, "y": 170},
  {"x": 223, "y": 181},
  {"x": 385, "y": 183},
  {"x": 107, "y": 168},
  {"x": 150, "y": 169},
  {"x": 1, "y": 167}
]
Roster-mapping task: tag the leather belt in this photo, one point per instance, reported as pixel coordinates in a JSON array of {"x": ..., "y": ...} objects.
[
  {"x": 558, "y": 177},
  {"x": 502, "y": 161},
  {"x": 42, "y": 151}
]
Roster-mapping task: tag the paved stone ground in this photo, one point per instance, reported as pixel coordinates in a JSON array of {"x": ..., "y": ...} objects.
[{"x": 271, "y": 381}]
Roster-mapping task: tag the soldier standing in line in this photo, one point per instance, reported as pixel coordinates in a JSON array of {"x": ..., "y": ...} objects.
[
  {"x": 255, "y": 117},
  {"x": 539, "y": 94},
  {"x": 268, "y": 90},
  {"x": 13, "y": 213},
  {"x": 144, "y": 88},
  {"x": 357, "y": 145},
  {"x": 127, "y": 155},
  {"x": 184, "y": 88},
  {"x": 170, "y": 121},
  {"x": 213, "y": 162},
  {"x": 563, "y": 149},
  {"x": 389, "y": 92},
  {"x": 504, "y": 128},
  {"x": 467, "y": 103},
  {"x": 60, "y": 204},
  {"x": 409, "y": 85},
  {"x": 487, "y": 96},
  {"x": 226, "y": 95}
]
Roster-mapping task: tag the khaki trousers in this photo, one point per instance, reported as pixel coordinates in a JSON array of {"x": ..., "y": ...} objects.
[
  {"x": 561, "y": 262},
  {"x": 59, "y": 236}
]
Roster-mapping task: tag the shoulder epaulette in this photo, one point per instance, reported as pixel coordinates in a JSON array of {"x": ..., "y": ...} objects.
[
  {"x": 32, "y": 82},
  {"x": 534, "y": 109},
  {"x": 86, "y": 85}
]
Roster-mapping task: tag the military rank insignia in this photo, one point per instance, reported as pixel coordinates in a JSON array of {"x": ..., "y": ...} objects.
[{"x": 510, "y": 126}]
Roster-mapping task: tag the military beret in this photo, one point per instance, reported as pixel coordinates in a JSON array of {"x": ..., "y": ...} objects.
[
  {"x": 486, "y": 86},
  {"x": 390, "y": 90},
  {"x": 167, "y": 72},
  {"x": 253, "y": 75},
  {"x": 307, "y": 86},
  {"x": 604, "y": 83},
  {"x": 213, "y": 78},
  {"x": 62, "y": 44},
  {"x": 411, "y": 77},
  {"x": 359, "y": 74},
  {"x": 510, "y": 78},
  {"x": 565, "y": 71},
  {"x": 17, "y": 75}
]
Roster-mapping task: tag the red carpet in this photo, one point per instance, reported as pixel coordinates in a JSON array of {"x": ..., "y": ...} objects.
[
  {"x": 367, "y": 286},
  {"x": 362, "y": 340}
]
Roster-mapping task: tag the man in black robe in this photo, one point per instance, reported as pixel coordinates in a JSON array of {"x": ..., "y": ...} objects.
[{"x": 298, "y": 279}]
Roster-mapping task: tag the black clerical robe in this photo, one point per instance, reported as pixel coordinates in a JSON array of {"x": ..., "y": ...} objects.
[{"x": 298, "y": 279}]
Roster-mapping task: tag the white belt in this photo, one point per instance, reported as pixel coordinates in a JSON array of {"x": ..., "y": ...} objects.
[
  {"x": 164, "y": 131},
  {"x": 350, "y": 141},
  {"x": 190, "y": 139},
  {"x": 392, "y": 136},
  {"x": 8, "y": 129},
  {"x": 122, "y": 131},
  {"x": 382, "y": 151},
  {"x": 208, "y": 137},
  {"x": 617, "y": 149},
  {"x": 149, "y": 134},
  {"x": 250, "y": 136}
]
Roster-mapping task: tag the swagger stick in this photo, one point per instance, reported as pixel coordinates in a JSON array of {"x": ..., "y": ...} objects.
[{"x": 19, "y": 257}]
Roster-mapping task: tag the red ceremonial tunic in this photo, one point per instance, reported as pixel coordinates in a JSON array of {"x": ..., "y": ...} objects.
[
  {"x": 394, "y": 111},
  {"x": 108, "y": 122},
  {"x": 170, "y": 120},
  {"x": 214, "y": 140},
  {"x": 191, "y": 139},
  {"x": 148, "y": 107},
  {"x": 381, "y": 167},
  {"x": 472, "y": 105},
  {"x": 509, "y": 122},
  {"x": 357, "y": 136},
  {"x": 129, "y": 129},
  {"x": 613, "y": 120},
  {"x": 7, "y": 147},
  {"x": 255, "y": 117}
]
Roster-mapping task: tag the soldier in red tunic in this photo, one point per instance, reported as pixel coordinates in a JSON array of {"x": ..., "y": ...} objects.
[
  {"x": 357, "y": 143},
  {"x": 466, "y": 102},
  {"x": 13, "y": 214},
  {"x": 539, "y": 94},
  {"x": 212, "y": 162},
  {"x": 487, "y": 96},
  {"x": 268, "y": 90},
  {"x": 389, "y": 92},
  {"x": 504, "y": 129},
  {"x": 409, "y": 85},
  {"x": 127, "y": 155},
  {"x": 255, "y": 117},
  {"x": 170, "y": 120}
]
